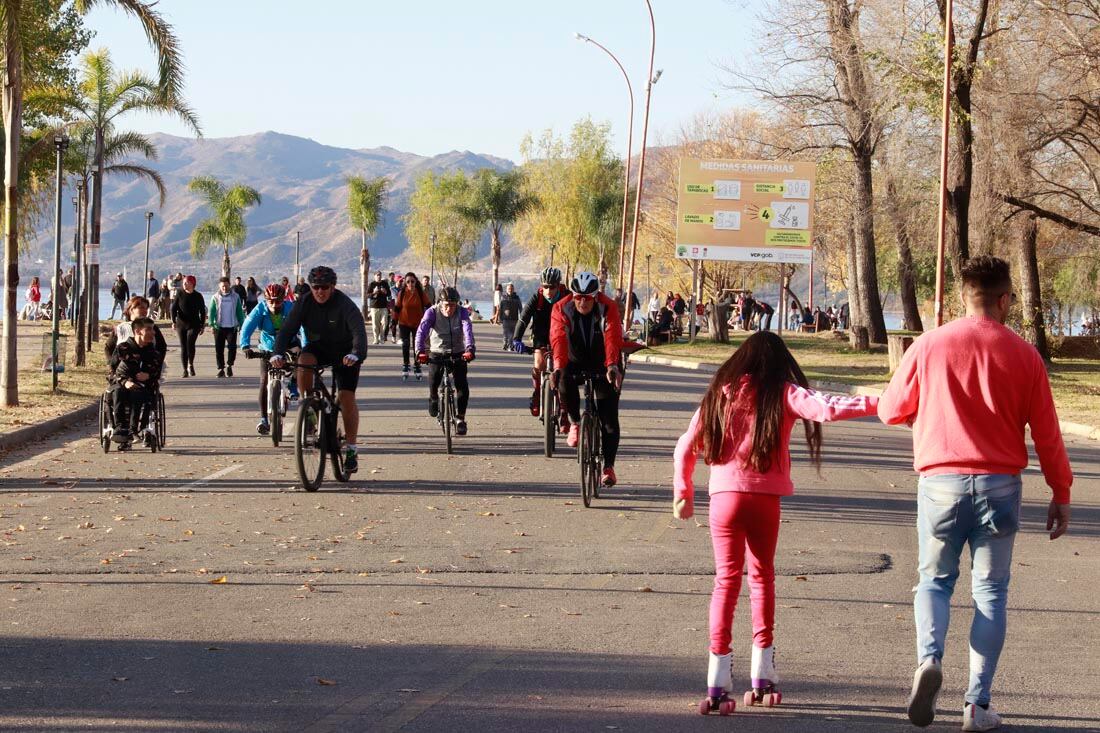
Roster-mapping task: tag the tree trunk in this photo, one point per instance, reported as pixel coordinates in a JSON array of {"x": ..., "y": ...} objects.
[
  {"x": 870, "y": 304},
  {"x": 1026, "y": 230},
  {"x": 855, "y": 315},
  {"x": 79, "y": 306},
  {"x": 13, "y": 127},
  {"x": 364, "y": 274},
  {"x": 225, "y": 263},
  {"x": 97, "y": 217},
  {"x": 907, "y": 281},
  {"x": 496, "y": 257}
]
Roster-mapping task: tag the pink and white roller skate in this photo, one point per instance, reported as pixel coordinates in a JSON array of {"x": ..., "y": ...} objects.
[
  {"x": 765, "y": 679},
  {"x": 719, "y": 685}
]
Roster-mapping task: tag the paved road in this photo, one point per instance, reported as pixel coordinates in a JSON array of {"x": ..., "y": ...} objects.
[{"x": 474, "y": 592}]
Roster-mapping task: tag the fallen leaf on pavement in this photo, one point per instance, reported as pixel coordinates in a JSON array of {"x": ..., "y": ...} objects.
[
  {"x": 323, "y": 681},
  {"x": 219, "y": 581}
]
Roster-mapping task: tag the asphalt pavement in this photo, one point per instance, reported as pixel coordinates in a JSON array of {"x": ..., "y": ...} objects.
[{"x": 199, "y": 589}]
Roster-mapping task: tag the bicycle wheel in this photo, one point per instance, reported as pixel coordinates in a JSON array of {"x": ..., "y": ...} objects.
[
  {"x": 596, "y": 458},
  {"x": 309, "y": 450},
  {"x": 585, "y": 459},
  {"x": 162, "y": 422},
  {"x": 336, "y": 447},
  {"x": 549, "y": 418},
  {"x": 448, "y": 416},
  {"x": 274, "y": 409},
  {"x": 104, "y": 423}
]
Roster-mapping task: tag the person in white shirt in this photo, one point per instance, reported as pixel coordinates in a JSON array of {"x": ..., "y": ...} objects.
[{"x": 226, "y": 316}]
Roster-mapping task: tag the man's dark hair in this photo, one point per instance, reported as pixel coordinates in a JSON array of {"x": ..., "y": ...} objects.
[
  {"x": 985, "y": 277},
  {"x": 139, "y": 323},
  {"x": 223, "y": 279}
]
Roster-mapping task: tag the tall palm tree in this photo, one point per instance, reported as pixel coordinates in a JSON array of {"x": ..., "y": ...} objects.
[
  {"x": 170, "y": 84},
  {"x": 497, "y": 200},
  {"x": 102, "y": 96},
  {"x": 226, "y": 225},
  {"x": 366, "y": 200}
]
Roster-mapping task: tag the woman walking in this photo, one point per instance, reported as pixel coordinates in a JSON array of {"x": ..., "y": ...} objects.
[
  {"x": 189, "y": 319},
  {"x": 34, "y": 300},
  {"x": 743, "y": 429},
  {"x": 252, "y": 295},
  {"x": 410, "y": 306}
]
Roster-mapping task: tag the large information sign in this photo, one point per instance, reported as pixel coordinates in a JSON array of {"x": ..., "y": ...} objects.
[{"x": 745, "y": 210}]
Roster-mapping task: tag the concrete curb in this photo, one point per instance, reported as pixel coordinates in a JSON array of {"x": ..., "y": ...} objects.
[
  {"x": 1068, "y": 428},
  {"x": 31, "y": 433}
]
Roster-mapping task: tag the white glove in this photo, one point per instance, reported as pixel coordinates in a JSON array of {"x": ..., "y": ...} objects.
[{"x": 350, "y": 360}]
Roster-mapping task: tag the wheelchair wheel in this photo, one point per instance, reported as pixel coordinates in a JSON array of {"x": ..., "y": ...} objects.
[
  {"x": 161, "y": 426},
  {"x": 105, "y": 423}
]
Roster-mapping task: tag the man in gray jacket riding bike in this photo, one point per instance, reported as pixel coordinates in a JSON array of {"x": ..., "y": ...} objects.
[{"x": 446, "y": 330}]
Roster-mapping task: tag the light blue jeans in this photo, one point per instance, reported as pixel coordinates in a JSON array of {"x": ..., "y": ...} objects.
[{"x": 954, "y": 510}]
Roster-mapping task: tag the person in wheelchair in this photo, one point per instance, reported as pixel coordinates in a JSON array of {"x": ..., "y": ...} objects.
[
  {"x": 134, "y": 381},
  {"x": 136, "y": 307}
]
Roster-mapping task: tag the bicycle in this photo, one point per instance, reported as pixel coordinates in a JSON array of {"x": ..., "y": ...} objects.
[
  {"x": 590, "y": 448},
  {"x": 550, "y": 406},
  {"x": 278, "y": 394},
  {"x": 448, "y": 412},
  {"x": 319, "y": 432}
]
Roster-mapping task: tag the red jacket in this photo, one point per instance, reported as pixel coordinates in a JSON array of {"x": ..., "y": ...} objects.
[{"x": 561, "y": 328}]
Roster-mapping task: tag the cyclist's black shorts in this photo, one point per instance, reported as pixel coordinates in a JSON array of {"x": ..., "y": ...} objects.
[
  {"x": 347, "y": 378},
  {"x": 537, "y": 343}
]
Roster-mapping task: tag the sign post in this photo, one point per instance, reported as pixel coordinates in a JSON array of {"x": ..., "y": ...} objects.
[{"x": 745, "y": 210}]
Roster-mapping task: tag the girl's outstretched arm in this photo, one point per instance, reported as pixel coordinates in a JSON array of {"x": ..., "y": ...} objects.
[
  {"x": 825, "y": 407},
  {"x": 683, "y": 484}
]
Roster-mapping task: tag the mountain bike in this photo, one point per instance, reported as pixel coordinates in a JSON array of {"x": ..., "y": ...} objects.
[
  {"x": 448, "y": 412},
  {"x": 550, "y": 409},
  {"x": 278, "y": 394},
  {"x": 590, "y": 448},
  {"x": 319, "y": 432}
]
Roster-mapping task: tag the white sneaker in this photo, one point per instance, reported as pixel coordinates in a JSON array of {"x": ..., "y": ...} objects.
[
  {"x": 975, "y": 717},
  {"x": 926, "y": 688}
]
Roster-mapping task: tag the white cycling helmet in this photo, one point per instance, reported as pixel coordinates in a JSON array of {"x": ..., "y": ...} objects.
[{"x": 584, "y": 283}]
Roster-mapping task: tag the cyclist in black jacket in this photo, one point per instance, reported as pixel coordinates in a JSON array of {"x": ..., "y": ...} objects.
[
  {"x": 336, "y": 336},
  {"x": 537, "y": 314}
]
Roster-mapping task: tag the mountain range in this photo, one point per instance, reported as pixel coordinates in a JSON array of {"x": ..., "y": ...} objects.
[{"x": 303, "y": 185}]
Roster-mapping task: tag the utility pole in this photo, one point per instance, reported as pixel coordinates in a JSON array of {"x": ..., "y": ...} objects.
[
  {"x": 61, "y": 143},
  {"x": 145, "y": 272}
]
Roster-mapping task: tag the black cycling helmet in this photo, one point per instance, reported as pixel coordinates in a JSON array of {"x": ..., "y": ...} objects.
[
  {"x": 584, "y": 283},
  {"x": 551, "y": 276},
  {"x": 449, "y": 295},
  {"x": 322, "y": 275}
]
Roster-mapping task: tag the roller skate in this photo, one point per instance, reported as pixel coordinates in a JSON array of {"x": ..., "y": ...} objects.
[
  {"x": 405, "y": 373},
  {"x": 765, "y": 680},
  {"x": 416, "y": 371},
  {"x": 719, "y": 684}
]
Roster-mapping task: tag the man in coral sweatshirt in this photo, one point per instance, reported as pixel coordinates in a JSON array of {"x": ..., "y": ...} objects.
[{"x": 968, "y": 389}]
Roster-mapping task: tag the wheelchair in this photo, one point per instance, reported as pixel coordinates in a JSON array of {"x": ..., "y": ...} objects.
[{"x": 153, "y": 423}]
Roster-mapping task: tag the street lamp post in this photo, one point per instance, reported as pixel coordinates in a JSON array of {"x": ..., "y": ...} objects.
[
  {"x": 552, "y": 248},
  {"x": 432, "y": 278},
  {"x": 148, "y": 231},
  {"x": 79, "y": 311},
  {"x": 75, "y": 286},
  {"x": 629, "y": 150},
  {"x": 648, "y": 290},
  {"x": 61, "y": 143},
  {"x": 650, "y": 81},
  {"x": 297, "y": 251}
]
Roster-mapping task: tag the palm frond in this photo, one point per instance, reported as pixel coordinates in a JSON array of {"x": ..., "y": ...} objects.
[
  {"x": 161, "y": 38},
  {"x": 55, "y": 101},
  {"x": 120, "y": 145},
  {"x": 208, "y": 187},
  {"x": 241, "y": 197},
  {"x": 140, "y": 171},
  {"x": 202, "y": 236}
]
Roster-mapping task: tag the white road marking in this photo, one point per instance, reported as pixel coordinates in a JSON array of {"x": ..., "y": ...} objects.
[{"x": 207, "y": 479}]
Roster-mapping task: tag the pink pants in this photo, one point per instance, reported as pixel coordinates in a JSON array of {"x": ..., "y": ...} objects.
[{"x": 740, "y": 521}]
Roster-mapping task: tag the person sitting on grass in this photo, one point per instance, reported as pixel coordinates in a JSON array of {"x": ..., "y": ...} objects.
[{"x": 134, "y": 379}]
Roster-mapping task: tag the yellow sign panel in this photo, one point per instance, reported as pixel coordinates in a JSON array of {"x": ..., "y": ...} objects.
[{"x": 753, "y": 210}]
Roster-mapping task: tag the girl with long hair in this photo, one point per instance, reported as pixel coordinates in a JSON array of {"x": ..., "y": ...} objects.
[
  {"x": 742, "y": 429},
  {"x": 409, "y": 305}
]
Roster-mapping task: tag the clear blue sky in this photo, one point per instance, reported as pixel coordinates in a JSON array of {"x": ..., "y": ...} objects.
[{"x": 431, "y": 76}]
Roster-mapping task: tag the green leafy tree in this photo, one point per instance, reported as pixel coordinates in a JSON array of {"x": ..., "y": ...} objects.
[
  {"x": 497, "y": 201},
  {"x": 226, "y": 224},
  {"x": 366, "y": 202},
  {"x": 434, "y": 227},
  {"x": 18, "y": 18}
]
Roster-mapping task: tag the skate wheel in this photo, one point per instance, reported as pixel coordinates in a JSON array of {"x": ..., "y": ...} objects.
[
  {"x": 778, "y": 697},
  {"x": 749, "y": 699},
  {"x": 771, "y": 699},
  {"x": 704, "y": 706},
  {"x": 726, "y": 707}
]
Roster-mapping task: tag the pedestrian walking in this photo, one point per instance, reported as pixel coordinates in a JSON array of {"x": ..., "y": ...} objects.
[
  {"x": 120, "y": 291},
  {"x": 378, "y": 300},
  {"x": 391, "y": 314},
  {"x": 226, "y": 316},
  {"x": 252, "y": 295},
  {"x": 967, "y": 389},
  {"x": 240, "y": 290},
  {"x": 743, "y": 429},
  {"x": 59, "y": 294},
  {"x": 426, "y": 283},
  {"x": 508, "y": 314},
  {"x": 300, "y": 288},
  {"x": 409, "y": 307},
  {"x": 189, "y": 320},
  {"x": 498, "y": 293},
  {"x": 34, "y": 300}
]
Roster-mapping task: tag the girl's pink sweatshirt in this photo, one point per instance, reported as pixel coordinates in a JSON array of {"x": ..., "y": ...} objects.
[{"x": 736, "y": 474}]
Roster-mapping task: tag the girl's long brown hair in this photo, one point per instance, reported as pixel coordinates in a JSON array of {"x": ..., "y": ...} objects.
[{"x": 765, "y": 359}]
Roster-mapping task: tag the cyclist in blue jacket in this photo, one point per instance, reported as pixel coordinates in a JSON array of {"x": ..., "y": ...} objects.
[{"x": 268, "y": 317}]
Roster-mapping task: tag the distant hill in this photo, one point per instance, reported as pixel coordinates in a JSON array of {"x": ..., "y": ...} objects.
[{"x": 303, "y": 189}]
